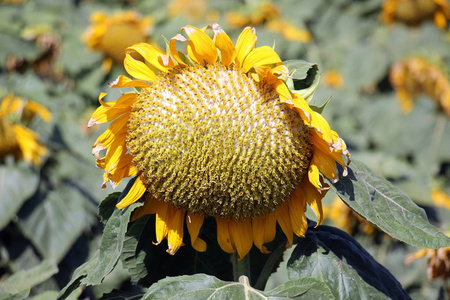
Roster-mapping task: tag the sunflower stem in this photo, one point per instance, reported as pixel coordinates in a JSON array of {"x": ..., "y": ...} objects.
[
  {"x": 268, "y": 268},
  {"x": 240, "y": 267}
]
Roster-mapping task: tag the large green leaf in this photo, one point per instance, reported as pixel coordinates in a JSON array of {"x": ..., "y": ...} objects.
[
  {"x": 336, "y": 259},
  {"x": 19, "y": 285},
  {"x": 386, "y": 206},
  {"x": 17, "y": 184},
  {"x": 54, "y": 222},
  {"x": 201, "y": 286},
  {"x": 95, "y": 270}
]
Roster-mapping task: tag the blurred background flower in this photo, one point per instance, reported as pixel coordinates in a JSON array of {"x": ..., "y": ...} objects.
[{"x": 15, "y": 138}]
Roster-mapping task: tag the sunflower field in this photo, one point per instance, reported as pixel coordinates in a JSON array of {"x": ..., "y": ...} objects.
[{"x": 239, "y": 149}]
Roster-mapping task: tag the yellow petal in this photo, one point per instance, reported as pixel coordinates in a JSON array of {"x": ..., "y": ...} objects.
[
  {"x": 137, "y": 190},
  {"x": 150, "y": 54},
  {"x": 258, "y": 233},
  {"x": 29, "y": 145},
  {"x": 125, "y": 168},
  {"x": 270, "y": 229},
  {"x": 241, "y": 234},
  {"x": 175, "y": 234},
  {"x": 146, "y": 209},
  {"x": 109, "y": 111},
  {"x": 284, "y": 219},
  {"x": 137, "y": 68},
  {"x": 260, "y": 56},
  {"x": 200, "y": 46},
  {"x": 173, "y": 49},
  {"x": 283, "y": 91},
  {"x": 194, "y": 222},
  {"x": 116, "y": 129},
  {"x": 314, "y": 199},
  {"x": 161, "y": 221},
  {"x": 297, "y": 211},
  {"x": 36, "y": 108},
  {"x": 225, "y": 45},
  {"x": 124, "y": 81},
  {"x": 326, "y": 164},
  {"x": 245, "y": 44},
  {"x": 223, "y": 235}
]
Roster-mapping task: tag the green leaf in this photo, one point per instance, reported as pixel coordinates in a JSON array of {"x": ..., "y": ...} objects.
[
  {"x": 298, "y": 68},
  {"x": 339, "y": 261},
  {"x": 389, "y": 208},
  {"x": 201, "y": 286},
  {"x": 54, "y": 222},
  {"x": 303, "y": 78},
  {"x": 17, "y": 184},
  {"x": 107, "y": 206},
  {"x": 103, "y": 262},
  {"x": 19, "y": 284},
  {"x": 118, "y": 295}
]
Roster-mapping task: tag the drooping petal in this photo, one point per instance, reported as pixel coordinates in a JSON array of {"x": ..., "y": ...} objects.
[
  {"x": 245, "y": 44},
  {"x": 173, "y": 49},
  {"x": 194, "y": 222},
  {"x": 297, "y": 206},
  {"x": 241, "y": 234},
  {"x": 146, "y": 209},
  {"x": 161, "y": 220},
  {"x": 223, "y": 235},
  {"x": 175, "y": 234},
  {"x": 117, "y": 129},
  {"x": 225, "y": 45},
  {"x": 200, "y": 48},
  {"x": 137, "y": 190},
  {"x": 284, "y": 219},
  {"x": 314, "y": 199}
]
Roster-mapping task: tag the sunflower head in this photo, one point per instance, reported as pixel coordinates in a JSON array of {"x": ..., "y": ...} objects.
[
  {"x": 112, "y": 34},
  {"x": 215, "y": 132},
  {"x": 15, "y": 138},
  {"x": 438, "y": 262},
  {"x": 415, "y": 76},
  {"x": 414, "y": 12}
]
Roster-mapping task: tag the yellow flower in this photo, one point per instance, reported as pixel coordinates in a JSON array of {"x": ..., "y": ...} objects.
[
  {"x": 111, "y": 35},
  {"x": 266, "y": 13},
  {"x": 438, "y": 262},
  {"x": 289, "y": 31},
  {"x": 413, "y": 76},
  {"x": 257, "y": 15},
  {"x": 414, "y": 12},
  {"x": 333, "y": 79},
  {"x": 16, "y": 139},
  {"x": 346, "y": 219},
  {"x": 193, "y": 10},
  {"x": 440, "y": 198},
  {"x": 216, "y": 133}
]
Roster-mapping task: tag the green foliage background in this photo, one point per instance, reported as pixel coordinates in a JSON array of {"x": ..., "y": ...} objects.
[{"x": 49, "y": 217}]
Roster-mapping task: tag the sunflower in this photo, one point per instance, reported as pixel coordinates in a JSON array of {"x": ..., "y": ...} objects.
[
  {"x": 111, "y": 35},
  {"x": 414, "y": 76},
  {"x": 438, "y": 262},
  {"x": 16, "y": 139},
  {"x": 414, "y": 12},
  {"x": 216, "y": 133}
]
